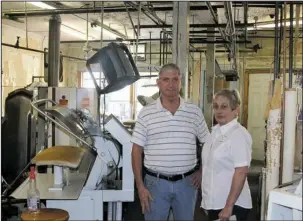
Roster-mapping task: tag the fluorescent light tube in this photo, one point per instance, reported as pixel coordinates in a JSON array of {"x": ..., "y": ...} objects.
[
  {"x": 272, "y": 25},
  {"x": 42, "y": 5}
]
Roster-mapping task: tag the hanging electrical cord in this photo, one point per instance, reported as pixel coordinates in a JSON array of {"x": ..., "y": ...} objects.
[
  {"x": 104, "y": 108},
  {"x": 106, "y": 135},
  {"x": 119, "y": 157}
]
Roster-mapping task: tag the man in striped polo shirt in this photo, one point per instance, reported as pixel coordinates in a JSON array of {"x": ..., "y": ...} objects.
[{"x": 166, "y": 132}]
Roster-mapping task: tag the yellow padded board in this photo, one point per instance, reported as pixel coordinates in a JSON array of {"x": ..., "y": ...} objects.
[{"x": 65, "y": 156}]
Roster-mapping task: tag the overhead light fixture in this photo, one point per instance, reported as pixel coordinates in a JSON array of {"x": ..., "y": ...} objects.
[
  {"x": 42, "y": 5},
  {"x": 74, "y": 33},
  {"x": 270, "y": 25}
]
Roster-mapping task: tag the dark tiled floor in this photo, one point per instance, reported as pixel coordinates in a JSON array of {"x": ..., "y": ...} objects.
[{"x": 132, "y": 211}]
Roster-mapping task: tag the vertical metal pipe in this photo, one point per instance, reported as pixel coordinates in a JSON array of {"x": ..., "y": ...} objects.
[
  {"x": 138, "y": 32},
  {"x": 164, "y": 49},
  {"x": 276, "y": 63},
  {"x": 296, "y": 34},
  {"x": 163, "y": 41},
  {"x": 284, "y": 86},
  {"x": 166, "y": 52},
  {"x": 160, "y": 61},
  {"x": 102, "y": 18},
  {"x": 150, "y": 54},
  {"x": 291, "y": 29},
  {"x": 280, "y": 40},
  {"x": 26, "y": 25},
  {"x": 245, "y": 20},
  {"x": 54, "y": 50}
]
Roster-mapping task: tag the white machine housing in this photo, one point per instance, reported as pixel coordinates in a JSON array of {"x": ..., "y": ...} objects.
[
  {"x": 83, "y": 194},
  {"x": 90, "y": 199},
  {"x": 285, "y": 203}
]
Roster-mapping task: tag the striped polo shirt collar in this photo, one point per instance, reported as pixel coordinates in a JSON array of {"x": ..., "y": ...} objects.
[{"x": 160, "y": 106}]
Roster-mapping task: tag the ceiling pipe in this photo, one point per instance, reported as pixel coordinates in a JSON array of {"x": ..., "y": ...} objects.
[
  {"x": 215, "y": 32},
  {"x": 148, "y": 13},
  {"x": 116, "y": 9},
  {"x": 32, "y": 13},
  {"x": 39, "y": 51},
  {"x": 245, "y": 20},
  {"x": 192, "y": 40},
  {"x": 198, "y": 26},
  {"x": 232, "y": 36},
  {"x": 94, "y": 22},
  {"x": 197, "y": 50},
  {"x": 154, "y": 15},
  {"x": 271, "y": 36},
  {"x": 158, "y": 39},
  {"x": 215, "y": 19},
  {"x": 280, "y": 39},
  {"x": 142, "y": 10},
  {"x": 291, "y": 17},
  {"x": 130, "y": 18},
  {"x": 259, "y": 4},
  {"x": 276, "y": 44}
]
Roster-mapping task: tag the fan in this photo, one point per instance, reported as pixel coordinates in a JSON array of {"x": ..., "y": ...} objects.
[
  {"x": 88, "y": 50},
  {"x": 144, "y": 100}
]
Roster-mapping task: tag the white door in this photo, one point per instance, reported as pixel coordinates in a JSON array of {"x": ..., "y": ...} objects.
[{"x": 257, "y": 100}]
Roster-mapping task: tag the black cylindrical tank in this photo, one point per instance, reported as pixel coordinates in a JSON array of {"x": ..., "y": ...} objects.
[{"x": 18, "y": 134}]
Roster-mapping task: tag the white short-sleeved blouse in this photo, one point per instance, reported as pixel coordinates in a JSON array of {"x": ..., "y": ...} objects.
[{"x": 226, "y": 148}]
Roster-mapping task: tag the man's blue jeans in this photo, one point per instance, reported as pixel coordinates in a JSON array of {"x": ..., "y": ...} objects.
[{"x": 179, "y": 195}]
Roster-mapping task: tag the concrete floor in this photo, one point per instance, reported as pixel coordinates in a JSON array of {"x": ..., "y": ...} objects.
[{"x": 132, "y": 211}]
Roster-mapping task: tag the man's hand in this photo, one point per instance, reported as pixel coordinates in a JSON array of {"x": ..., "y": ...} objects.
[
  {"x": 225, "y": 214},
  {"x": 145, "y": 197},
  {"x": 196, "y": 179}
]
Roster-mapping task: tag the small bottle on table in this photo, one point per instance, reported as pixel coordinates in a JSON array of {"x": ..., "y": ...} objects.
[{"x": 33, "y": 194}]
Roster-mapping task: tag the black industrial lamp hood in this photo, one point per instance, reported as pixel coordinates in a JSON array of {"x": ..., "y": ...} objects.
[{"x": 117, "y": 65}]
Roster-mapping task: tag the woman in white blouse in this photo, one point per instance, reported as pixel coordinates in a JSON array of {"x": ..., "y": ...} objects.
[{"x": 226, "y": 157}]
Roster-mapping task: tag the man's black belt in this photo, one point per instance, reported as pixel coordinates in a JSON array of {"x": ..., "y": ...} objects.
[{"x": 171, "y": 177}]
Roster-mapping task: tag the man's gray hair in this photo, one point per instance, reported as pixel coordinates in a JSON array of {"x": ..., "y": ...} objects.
[
  {"x": 232, "y": 95},
  {"x": 168, "y": 67}
]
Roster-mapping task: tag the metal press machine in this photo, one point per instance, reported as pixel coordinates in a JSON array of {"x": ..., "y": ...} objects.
[{"x": 69, "y": 122}]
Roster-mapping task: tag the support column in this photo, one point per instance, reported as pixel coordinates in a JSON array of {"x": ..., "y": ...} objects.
[
  {"x": 209, "y": 78},
  {"x": 180, "y": 48},
  {"x": 54, "y": 51}
]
